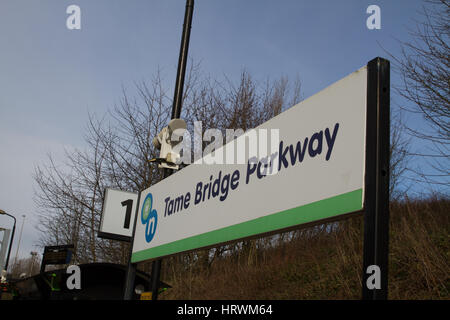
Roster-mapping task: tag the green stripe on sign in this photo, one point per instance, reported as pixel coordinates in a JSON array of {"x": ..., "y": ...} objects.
[{"x": 323, "y": 209}]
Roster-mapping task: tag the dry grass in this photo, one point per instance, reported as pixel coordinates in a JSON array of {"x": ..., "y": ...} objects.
[{"x": 324, "y": 262}]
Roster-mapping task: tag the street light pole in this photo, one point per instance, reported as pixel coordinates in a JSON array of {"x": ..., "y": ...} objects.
[
  {"x": 12, "y": 238},
  {"x": 20, "y": 237}
]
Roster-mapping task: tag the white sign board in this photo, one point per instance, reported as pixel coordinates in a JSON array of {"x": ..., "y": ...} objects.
[
  {"x": 316, "y": 173},
  {"x": 119, "y": 210}
]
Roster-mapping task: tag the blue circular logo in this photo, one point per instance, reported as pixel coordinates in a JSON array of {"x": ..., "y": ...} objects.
[{"x": 149, "y": 217}]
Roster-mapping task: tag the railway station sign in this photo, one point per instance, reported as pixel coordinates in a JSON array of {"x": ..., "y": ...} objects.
[{"x": 312, "y": 172}]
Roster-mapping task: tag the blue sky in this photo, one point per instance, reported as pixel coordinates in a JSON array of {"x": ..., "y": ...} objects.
[{"x": 51, "y": 77}]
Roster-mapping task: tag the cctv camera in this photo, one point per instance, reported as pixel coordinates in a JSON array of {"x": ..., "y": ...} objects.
[
  {"x": 175, "y": 124},
  {"x": 156, "y": 143}
]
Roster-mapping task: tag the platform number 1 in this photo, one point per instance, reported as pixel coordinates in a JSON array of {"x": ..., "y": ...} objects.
[{"x": 129, "y": 204}]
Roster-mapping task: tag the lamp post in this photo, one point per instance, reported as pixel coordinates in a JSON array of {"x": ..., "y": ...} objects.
[
  {"x": 12, "y": 237},
  {"x": 20, "y": 237}
]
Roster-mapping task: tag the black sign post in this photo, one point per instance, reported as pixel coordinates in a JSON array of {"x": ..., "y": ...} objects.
[
  {"x": 131, "y": 270},
  {"x": 376, "y": 202}
]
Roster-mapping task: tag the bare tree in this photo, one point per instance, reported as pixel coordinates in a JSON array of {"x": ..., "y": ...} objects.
[
  {"x": 424, "y": 67},
  {"x": 119, "y": 147},
  {"x": 70, "y": 196},
  {"x": 399, "y": 155}
]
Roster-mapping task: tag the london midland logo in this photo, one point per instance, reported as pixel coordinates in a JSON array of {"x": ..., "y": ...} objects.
[{"x": 149, "y": 218}]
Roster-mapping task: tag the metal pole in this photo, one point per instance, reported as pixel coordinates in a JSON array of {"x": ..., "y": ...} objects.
[
  {"x": 376, "y": 202},
  {"x": 11, "y": 242},
  {"x": 131, "y": 269},
  {"x": 182, "y": 60},
  {"x": 176, "y": 113},
  {"x": 20, "y": 237},
  {"x": 156, "y": 272}
]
